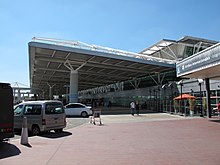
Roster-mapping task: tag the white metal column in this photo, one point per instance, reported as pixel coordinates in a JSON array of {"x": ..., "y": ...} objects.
[
  {"x": 50, "y": 91},
  {"x": 73, "y": 92}
]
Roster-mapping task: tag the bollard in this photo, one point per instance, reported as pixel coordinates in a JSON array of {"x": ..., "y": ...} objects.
[{"x": 24, "y": 132}]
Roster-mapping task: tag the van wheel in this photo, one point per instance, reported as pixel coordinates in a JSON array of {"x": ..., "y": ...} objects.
[
  {"x": 84, "y": 114},
  {"x": 35, "y": 130}
]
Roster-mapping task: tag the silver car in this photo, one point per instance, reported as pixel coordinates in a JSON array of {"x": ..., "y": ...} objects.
[
  {"x": 41, "y": 116},
  {"x": 77, "y": 109}
]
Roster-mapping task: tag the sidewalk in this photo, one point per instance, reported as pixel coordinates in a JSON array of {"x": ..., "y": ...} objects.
[{"x": 154, "y": 139}]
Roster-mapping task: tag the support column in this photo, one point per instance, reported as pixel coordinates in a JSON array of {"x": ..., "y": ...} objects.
[
  {"x": 19, "y": 95},
  {"x": 67, "y": 93},
  {"x": 43, "y": 95},
  {"x": 50, "y": 91},
  {"x": 208, "y": 101},
  {"x": 73, "y": 92}
]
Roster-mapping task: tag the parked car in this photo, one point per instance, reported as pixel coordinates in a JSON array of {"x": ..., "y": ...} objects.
[
  {"x": 77, "y": 109},
  {"x": 41, "y": 116}
]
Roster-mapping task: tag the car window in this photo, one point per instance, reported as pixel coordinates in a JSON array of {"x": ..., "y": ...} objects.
[
  {"x": 75, "y": 106},
  {"x": 32, "y": 109},
  {"x": 54, "y": 108},
  {"x": 80, "y": 106},
  {"x": 70, "y": 106},
  {"x": 18, "y": 110}
]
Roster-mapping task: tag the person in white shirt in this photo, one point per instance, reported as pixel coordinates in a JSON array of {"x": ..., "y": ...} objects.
[{"x": 132, "y": 106}]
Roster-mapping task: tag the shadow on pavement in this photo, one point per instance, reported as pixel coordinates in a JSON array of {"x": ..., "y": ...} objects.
[
  {"x": 27, "y": 145},
  {"x": 216, "y": 121},
  {"x": 8, "y": 150},
  {"x": 54, "y": 135},
  {"x": 79, "y": 117},
  {"x": 18, "y": 133}
]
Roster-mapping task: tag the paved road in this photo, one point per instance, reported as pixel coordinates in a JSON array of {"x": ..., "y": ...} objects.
[
  {"x": 71, "y": 123},
  {"x": 106, "y": 119},
  {"x": 154, "y": 139},
  {"x": 75, "y": 121}
]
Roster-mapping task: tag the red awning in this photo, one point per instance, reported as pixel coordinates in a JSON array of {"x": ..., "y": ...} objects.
[{"x": 184, "y": 96}]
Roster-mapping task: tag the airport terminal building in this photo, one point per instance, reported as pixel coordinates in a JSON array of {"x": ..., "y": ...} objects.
[{"x": 78, "y": 72}]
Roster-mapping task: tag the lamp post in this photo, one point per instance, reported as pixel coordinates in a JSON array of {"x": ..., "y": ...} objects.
[
  {"x": 159, "y": 100},
  {"x": 200, "y": 93},
  {"x": 155, "y": 99},
  {"x": 181, "y": 92},
  {"x": 150, "y": 100},
  {"x": 171, "y": 95},
  {"x": 192, "y": 92},
  {"x": 164, "y": 97}
]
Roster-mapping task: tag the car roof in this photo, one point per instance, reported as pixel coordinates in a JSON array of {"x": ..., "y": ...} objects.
[
  {"x": 75, "y": 103},
  {"x": 41, "y": 102}
]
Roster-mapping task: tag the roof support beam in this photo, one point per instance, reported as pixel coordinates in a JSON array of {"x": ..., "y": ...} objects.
[
  {"x": 135, "y": 83},
  {"x": 171, "y": 51},
  {"x": 69, "y": 65},
  {"x": 159, "y": 79},
  {"x": 110, "y": 76},
  {"x": 168, "y": 54}
]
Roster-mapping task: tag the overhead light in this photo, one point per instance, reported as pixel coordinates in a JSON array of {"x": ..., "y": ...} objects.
[
  {"x": 163, "y": 86},
  {"x": 180, "y": 82},
  {"x": 170, "y": 84},
  {"x": 200, "y": 80}
]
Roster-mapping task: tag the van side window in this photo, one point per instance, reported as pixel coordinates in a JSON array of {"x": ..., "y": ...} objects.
[
  {"x": 32, "y": 109},
  {"x": 54, "y": 108}
]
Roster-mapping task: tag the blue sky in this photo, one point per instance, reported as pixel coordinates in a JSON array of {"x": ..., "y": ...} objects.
[{"x": 130, "y": 25}]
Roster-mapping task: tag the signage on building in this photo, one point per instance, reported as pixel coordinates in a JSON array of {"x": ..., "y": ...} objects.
[
  {"x": 205, "y": 59},
  {"x": 104, "y": 89}
]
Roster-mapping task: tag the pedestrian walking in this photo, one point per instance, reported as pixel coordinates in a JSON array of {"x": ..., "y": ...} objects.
[
  {"x": 137, "y": 107},
  {"x": 132, "y": 106}
]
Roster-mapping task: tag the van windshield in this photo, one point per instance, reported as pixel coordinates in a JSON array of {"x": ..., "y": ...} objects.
[
  {"x": 18, "y": 110},
  {"x": 54, "y": 108}
]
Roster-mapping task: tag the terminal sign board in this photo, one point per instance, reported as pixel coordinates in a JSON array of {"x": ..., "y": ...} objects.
[{"x": 205, "y": 59}]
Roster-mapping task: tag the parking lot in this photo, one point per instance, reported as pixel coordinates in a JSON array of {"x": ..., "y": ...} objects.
[
  {"x": 77, "y": 121},
  {"x": 71, "y": 123}
]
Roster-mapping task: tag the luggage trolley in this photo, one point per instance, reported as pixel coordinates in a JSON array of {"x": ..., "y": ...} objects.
[{"x": 96, "y": 114}]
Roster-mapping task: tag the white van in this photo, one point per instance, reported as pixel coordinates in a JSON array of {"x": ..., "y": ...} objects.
[{"x": 41, "y": 116}]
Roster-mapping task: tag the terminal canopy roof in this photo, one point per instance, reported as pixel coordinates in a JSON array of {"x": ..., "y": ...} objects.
[
  {"x": 51, "y": 60},
  {"x": 204, "y": 64},
  {"x": 174, "y": 49}
]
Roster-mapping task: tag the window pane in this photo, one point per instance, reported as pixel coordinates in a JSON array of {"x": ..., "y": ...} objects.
[
  {"x": 79, "y": 106},
  {"x": 54, "y": 108},
  {"x": 32, "y": 109},
  {"x": 28, "y": 109},
  {"x": 72, "y": 106},
  {"x": 18, "y": 110},
  {"x": 37, "y": 109}
]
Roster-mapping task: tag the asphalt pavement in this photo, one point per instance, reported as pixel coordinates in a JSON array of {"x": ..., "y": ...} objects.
[{"x": 71, "y": 123}]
